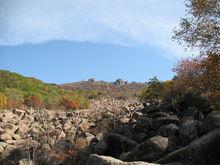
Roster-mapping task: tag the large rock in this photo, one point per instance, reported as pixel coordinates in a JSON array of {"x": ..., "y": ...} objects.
[
  {"x": 188, "y": 131},
  {"x": 165, "y": 120},
  {"x": 196, "y": 100},
  {"x": 106, "y": 160},
  {"x": 168, "y": 130},
  {"x": 203, "y": 151},
  {"x": 114, "y": 145},
  {"x": 25, "y": 162},
  {"x": 211, "y": 122},
  {"x": 143, "y": 124},
  {"x": 192, "y": 112},
  {"x": 150, "y": 150},
  {"x": 23, "y": 129}
]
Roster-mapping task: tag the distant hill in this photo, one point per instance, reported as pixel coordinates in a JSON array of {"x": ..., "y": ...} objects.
[
  {"x": 119, "y": 88},
  {"x": 17, "y": 90}
]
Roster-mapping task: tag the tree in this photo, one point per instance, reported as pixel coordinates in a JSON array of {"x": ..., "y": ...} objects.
[
  {"x": 34, "y": 101},
  {"x": 201, "y": 27},
  {"x": 154, "y": 91},
  {"x": 69, "y": 104},
  {"x": 201, "y": 74},
  {"x": 3, "y": 101}
]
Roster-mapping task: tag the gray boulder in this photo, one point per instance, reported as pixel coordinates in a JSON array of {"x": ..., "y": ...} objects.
[
  {"x": 168, "y": 130},
  {"x": 202, "y": 151},
  {"x": 165, "y": 120},
  {"x": 188, "y": 131},
  {"x": 150, "y": 150},
  {"x": 106, "y": 160},
  {"x": 211, "y": 122}
]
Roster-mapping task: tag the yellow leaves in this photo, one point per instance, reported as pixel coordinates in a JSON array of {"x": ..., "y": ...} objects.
[{"x": 3, "y": 101}]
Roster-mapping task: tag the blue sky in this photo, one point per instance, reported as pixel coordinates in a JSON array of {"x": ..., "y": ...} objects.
[{"x": 70, "y": 40}]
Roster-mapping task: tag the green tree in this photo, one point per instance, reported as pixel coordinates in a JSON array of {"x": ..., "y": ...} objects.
[
  {"x": 154, "y": 91},
  {"x": 201, "y": 27}
]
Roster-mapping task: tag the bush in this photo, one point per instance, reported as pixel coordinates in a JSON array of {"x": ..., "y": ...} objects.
[
  {"x": 34, "y": 101},
  {"x": 3, "y": 101},
  {"x": 154, "y": 91}
]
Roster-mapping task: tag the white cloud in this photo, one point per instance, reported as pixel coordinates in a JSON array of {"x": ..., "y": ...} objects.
[{"x": 125, "y": 22}]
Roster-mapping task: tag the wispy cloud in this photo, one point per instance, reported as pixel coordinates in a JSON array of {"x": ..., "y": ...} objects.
[{"x": 125, "y": 22}]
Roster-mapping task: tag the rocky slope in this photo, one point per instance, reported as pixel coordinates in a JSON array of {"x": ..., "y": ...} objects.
[
  {"x": 114, "y": 132},
  {"x": 33, "y": 133}
]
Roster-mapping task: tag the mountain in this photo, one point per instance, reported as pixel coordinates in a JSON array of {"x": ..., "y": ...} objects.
[
  {"x": 117, "y": 89},
  {"x": 17, "y": 90}
]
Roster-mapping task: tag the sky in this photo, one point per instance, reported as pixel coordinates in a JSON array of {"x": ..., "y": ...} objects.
[{"x": 72, "y": 40}]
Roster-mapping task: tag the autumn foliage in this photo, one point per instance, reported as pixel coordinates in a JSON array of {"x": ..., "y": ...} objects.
[
  {"x": 3, "y": 101},
  {"x": 201, "y": 74},
  {"x": 34, "y": 101},
  {"x": 69, "y": 104}
]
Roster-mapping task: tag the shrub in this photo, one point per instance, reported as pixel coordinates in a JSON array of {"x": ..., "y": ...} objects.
[
  {"x": 3, "y": 101},
  {"x": 34, "y": 101},
  {"x": 154, "y": 91}
]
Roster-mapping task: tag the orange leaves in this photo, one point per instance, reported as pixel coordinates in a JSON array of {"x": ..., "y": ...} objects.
[
  {"x": 69, "y": 104},
  {"x": 201, "y": 74},
  {"x": 34, "y": 101}
]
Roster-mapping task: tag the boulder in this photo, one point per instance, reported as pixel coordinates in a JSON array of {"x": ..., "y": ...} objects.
[
  {"x": 143, "y": 124},
  {"x": 168, "y": 130},
  {"x": 1, "y": 149},
  {"x": 188, "y": 131},
  {"x": 196, "y": 100},
  {"x": 25, "y": 162},
  {"x": 150, "y": 150},
  {"x": 114, "y": 145},
  {"x": 6, "y": 136},
  {"x": 23, "y": 129},
  {"x": 211, "y": 122},
  {"x": 106, "y": 160},
  {"x": 202, "y": 151},
  {"x": 194, "y": 112},
  {"x": 165, "y": 120}
]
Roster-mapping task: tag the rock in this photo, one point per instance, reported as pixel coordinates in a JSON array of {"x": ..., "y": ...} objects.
[
  {"x": 67, "y": 125},
  {"x": 106, "y": 160},
  {"x": 211, "y": 122},
  {"x": 202, "y": 151},
  {"x": 7, "y": 117},
  {"x": 165, "y": 120},
  {"x": 1, "y": 149},
  {"x": 25, "y": 162},
  {"x": 150, "y": 150},
  {"x": 99, "y": 147},
  {"x": 89, "y": 137},
  {"x": 194, "y": 112},
  {"x": 188, "y": 131},
  {"x": 12, "y": 142},
  {"x": 160, "y": 114},
  {"x": 5, "y": 136},
  {"x": 8, "y": 150},
  {"x": 143, "y": 124},
  {"x": 168, "y": 130},
  {"x": 16, "y": 137},
  {"x": 3, "y": 144},
  {"x": 198, "y": 101},
  {"x": 23, "y": 129},
  {"x": 114, "y": 145}
]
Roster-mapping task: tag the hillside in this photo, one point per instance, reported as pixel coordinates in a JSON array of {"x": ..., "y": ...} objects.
[
  {"x": 17, "y": 90},
  {"x": 117, "y": 89}
]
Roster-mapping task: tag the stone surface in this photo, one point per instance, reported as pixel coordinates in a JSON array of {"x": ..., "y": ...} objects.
[
  {"x": 106, "y": 160},
  {"x": 188, "y": 131},
  {"x": 211, "y": 122},
  {"x": 150, "y": 150},
  {"x": 202, "y": 151}
]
